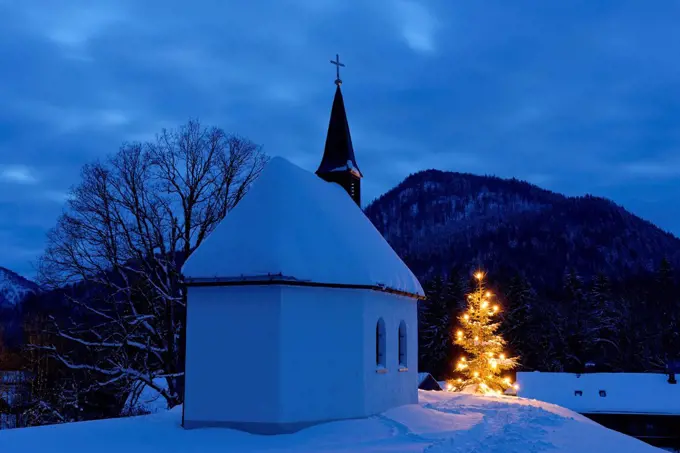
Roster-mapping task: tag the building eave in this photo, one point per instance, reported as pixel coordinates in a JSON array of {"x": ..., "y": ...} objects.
[{"x": 279, "y": 279}]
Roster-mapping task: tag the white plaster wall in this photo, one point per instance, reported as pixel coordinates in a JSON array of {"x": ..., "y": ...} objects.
[
  {"x": 232, "y": 354},
  {"x": 322, "y": 342},
  {"x": 393, "y": 388}
]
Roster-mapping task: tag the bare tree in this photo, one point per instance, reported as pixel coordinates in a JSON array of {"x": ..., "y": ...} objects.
[{"x": 128, "y": 227}]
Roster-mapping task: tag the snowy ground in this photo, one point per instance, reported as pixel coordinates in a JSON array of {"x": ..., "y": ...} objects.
[{"x": 442, "y": 422}]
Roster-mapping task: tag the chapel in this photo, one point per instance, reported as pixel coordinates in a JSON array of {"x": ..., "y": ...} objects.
[{"x": 298, "y": 311}]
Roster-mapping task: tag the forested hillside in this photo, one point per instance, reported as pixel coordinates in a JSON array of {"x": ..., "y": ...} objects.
[{"x": 582, "y": 279}]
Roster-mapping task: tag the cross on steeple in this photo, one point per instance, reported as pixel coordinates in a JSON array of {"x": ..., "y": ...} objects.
[
  {"x": 339, "y": 165},
  {"x": 337, "y": 64}
]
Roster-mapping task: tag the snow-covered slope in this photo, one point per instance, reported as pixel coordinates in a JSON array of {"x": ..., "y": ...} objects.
[
  {"x": 442, "y": 422},
  {"x": 14, "y": 287}
]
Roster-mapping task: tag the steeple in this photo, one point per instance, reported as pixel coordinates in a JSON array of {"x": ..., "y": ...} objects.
[{"x": 339, "y": 164}]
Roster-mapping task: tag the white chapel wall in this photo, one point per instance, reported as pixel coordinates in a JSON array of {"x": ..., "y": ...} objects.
[
  {"x": 322, "y": 343},
  {"x": 393, "y": 387},
  {"x": 232, "y": 353}
]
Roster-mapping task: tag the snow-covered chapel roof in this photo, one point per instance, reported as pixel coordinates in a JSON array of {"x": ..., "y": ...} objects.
[{"x": 294, "y": 226}]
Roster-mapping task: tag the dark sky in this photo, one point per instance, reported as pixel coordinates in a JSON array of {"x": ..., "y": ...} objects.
[{"x": 577, "y": 96}]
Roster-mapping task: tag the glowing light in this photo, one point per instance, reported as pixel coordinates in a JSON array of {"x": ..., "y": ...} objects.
[
  {"x": 495, "y": 308},
  {"x": 516, "y": 386},
  {"x": 460, "y": 380},
  {"x": 476, "y": 374},
  {"x": 488, "y": 294},
  {"x": 466, "y": 316},
  {"x": 494, "y": 365},
  {"x": 449, "y": 387},
  {"x": 462, "y": 359},
  {"x": 479, "y": 275},
  {"x": 507, "y": 380},
  {"x": 502, "y": 356},
  {"x": 459, "y": 333},
  {"x": 485, "y": 304},
  {"x": 476, "y": 338}
]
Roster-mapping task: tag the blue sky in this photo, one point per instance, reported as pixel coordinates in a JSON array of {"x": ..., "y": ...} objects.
[{"x": 578, "y": 97}]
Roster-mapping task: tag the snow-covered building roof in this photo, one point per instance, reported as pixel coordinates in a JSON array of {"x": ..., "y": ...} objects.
[
  {"x": 427, "y": 382},
  {"x": 293, "y": 226},
  {"x": 609, "y": 393},
  {"x": 422, "y": 377}
]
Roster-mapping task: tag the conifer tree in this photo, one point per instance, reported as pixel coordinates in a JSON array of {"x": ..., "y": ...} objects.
[
  {"x": 604, "y": 321},
  {"x": 665, "y": 301},
  {"x": 486, "y": 359},
  {"x": 434, "y": 327}
]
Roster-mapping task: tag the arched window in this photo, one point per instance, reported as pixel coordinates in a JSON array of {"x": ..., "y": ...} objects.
[
  {"x": 380, "y": 343},
  {"x": 402, "y": 345}
]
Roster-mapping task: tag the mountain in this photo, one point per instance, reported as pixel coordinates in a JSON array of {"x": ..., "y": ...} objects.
[
  {"x": 14, "y": 288},
  {"x": 440, "y": 220},
  {"x": 580, "y": 279}
]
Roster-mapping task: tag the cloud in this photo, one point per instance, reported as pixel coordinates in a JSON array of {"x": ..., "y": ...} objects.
[
  {"x": 416, "y": 24},
  {"x": 68, "y": 119},
  {"x": 72, "y": 26},
  {"x": 19, "y": 174},
  {"x": 19, "y": 253},
  {"x": 657, "y": 169},
  {"x": 539, "y": 179},
  {"x": 112, "y": 117},
  {"x": 577, "y": 97},
  {"x": 57, "y": 196}
]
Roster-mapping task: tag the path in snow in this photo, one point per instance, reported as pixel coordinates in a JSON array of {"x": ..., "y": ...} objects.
[{"x": 501, "y": 427}]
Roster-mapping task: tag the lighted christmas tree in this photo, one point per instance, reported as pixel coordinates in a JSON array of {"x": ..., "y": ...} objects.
[{"x": 485, "y": 359}]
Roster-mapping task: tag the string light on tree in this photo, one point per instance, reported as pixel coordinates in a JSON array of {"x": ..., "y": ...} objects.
[{"x": 478, "y": 336}]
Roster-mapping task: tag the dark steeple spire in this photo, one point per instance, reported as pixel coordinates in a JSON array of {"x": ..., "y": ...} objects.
[{"x": 339, "y": 164}]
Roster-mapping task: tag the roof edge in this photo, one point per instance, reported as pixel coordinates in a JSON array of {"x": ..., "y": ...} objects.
[{"x": 280, "y": 279}]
